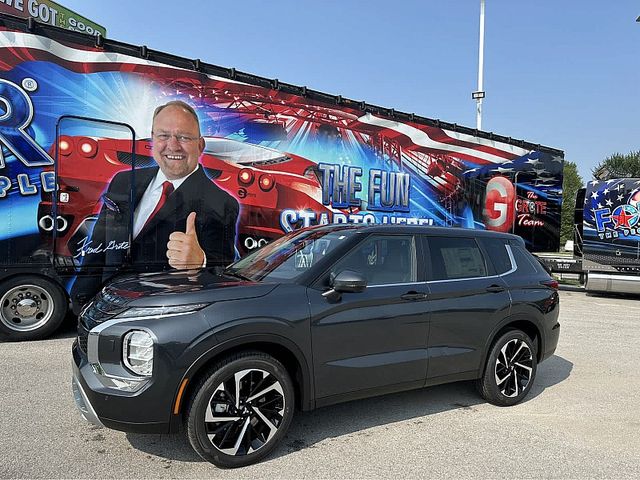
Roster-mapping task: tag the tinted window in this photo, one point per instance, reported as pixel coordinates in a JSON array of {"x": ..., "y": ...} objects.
[
  {"x": 289, "y": 256},
  {"x": 456, "y": 258},
  {"x": 497, "y": 251},
  {"x": 382, "y": 259},
  {"x": 526, "y": 264}
]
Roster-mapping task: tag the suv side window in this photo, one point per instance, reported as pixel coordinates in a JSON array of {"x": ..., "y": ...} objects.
[
  {"x": 382, "y": 259},
  {"x": 497, "y": 251},
  {"x": 456, "y": 257}
]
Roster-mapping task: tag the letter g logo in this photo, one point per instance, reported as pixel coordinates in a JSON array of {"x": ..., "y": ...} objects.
[{"x": 499, "y": 204}]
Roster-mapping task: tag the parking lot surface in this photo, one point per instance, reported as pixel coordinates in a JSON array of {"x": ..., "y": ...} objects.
[{"x": 580, "y": 420}]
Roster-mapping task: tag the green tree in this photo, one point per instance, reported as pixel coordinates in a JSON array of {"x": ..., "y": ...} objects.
[
  {"x": 619, "y": 165},
  {"x": 571, "y": 183}
]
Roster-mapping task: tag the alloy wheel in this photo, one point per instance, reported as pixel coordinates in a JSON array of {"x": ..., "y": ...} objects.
[
  {"x": 514, "y": 368},
  {"x": 244, "y": 412}
]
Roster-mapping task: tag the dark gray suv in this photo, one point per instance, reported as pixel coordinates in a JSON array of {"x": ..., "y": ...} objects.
[{"x": 320, "y": 316}]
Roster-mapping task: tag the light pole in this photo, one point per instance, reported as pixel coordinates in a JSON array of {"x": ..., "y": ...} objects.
[{"x": 478, "y": 95}]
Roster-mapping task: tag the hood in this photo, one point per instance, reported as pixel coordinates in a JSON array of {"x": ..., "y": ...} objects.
[{"x": 181, "y": 287}]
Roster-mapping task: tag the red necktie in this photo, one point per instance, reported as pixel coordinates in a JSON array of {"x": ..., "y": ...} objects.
[{"x": 167, "y": 189}]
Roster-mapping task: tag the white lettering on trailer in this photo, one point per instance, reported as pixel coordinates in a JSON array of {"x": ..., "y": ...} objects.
[
  {"x": 48, "y": 181},
  {"x": 85, "y": 248},
  {"x": 289, "y": 218},
  {"x": 324, "y": 219},
  {"x": 17, "y": 116},
  {"x": 5, "y": 185},
  {"x": 25, "y": 185}
]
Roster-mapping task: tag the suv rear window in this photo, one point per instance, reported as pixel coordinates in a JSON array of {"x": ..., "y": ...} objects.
[
  {"x": 497, "y": 252},
  {"x": 525, "y": 262},
  {"x": 453, "y": 257}
]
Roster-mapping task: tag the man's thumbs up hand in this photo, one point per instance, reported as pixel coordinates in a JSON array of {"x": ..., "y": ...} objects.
[
  {"x": 191, "y": 224},
  {"x": 183, "y": 248}
]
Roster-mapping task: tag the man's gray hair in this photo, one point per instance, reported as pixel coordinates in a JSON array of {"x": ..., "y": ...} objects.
[{"x": 181, "y": 104}]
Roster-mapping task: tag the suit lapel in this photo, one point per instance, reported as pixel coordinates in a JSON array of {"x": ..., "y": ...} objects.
[
  {"x": 174, "y": 207},
  {"x": 142, "y": 179}
]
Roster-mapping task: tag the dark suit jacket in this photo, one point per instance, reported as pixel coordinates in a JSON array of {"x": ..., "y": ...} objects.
[{"x": 216, "y": 217}]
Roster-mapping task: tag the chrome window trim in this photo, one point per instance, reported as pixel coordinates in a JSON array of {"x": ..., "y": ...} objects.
[
  {"x": 395, "y": 284},
  {"x": 514, "y": 267}
]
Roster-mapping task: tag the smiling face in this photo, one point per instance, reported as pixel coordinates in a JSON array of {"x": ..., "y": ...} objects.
[{"x": 177, "y": 144}]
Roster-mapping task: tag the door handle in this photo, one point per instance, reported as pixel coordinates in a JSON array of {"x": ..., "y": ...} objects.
[
  {"x": 495, "y": 288},
  {"x": 414, "y": 296}
]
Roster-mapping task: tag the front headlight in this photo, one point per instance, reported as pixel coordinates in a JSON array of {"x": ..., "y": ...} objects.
[
  {"x": 147, "y": 312},
  {"x": 137, "y": 352}
]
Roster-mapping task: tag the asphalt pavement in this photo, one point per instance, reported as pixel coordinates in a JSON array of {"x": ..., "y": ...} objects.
[{"x": 581, "y": 420}]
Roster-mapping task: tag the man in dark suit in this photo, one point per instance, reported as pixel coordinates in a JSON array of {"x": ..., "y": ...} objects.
[{"x": 181, "y": 218}]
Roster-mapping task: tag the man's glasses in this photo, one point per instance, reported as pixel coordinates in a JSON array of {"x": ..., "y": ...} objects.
[{"x": 165, "y": 137}]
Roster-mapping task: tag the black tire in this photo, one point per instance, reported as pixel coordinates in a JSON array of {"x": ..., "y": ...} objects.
[
  {"x": 256, "y": 425},
  {"x": 31, "y": 308},
  {"x": 510, "y": 369}
]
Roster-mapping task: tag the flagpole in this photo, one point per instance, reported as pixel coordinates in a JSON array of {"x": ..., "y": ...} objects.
[{"x": 479, "y": 94}]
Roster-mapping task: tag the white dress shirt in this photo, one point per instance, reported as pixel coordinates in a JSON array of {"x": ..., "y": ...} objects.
[{"x": 150, "y": 199}]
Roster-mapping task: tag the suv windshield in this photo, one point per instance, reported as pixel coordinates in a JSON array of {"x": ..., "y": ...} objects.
[{"x": 289, "y": 256}]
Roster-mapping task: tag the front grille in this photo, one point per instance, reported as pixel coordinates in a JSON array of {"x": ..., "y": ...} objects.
[
  {"x": 104, "y": 307},
  {"x": 83, "y": 335}
]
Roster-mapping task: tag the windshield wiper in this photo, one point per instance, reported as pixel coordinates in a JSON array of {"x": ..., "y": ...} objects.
[{"x": 234, "y": 273}]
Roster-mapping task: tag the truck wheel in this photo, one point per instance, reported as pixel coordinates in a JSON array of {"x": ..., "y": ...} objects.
[
  {"x": 510, "y": 369},
  {"x": 31, "y": 308},
  {"x": 240, "y": 410}
]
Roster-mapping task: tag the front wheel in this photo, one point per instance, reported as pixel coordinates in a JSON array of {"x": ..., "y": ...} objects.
[
  {"x": 31, "y": 308},
  {"x": 241, "y": 410},
  {"x": 510, "y": 369}
]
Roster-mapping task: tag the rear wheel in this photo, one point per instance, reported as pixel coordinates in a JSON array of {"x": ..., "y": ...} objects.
[
  {"x": 31, "y": 308},
  {"x": 510, "y": 369},
  {"x": 241, "y": 410}
]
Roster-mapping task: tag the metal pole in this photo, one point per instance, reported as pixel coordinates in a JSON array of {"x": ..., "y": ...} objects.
[{"x": 480, "y": 68}]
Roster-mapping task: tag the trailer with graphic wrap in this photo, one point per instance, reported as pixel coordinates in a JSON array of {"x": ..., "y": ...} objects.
[
  {"x": 607, "y": 235},
  {"x": 75, "y": 115}
]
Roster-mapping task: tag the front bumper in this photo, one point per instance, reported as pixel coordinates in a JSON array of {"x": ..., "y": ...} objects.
[
  {"x": 82, "y": 401},
  {"x": 128, "y": 412}
]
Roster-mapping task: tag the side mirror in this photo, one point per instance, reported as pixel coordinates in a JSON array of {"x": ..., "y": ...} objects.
[{"x": 349, "y": 281}]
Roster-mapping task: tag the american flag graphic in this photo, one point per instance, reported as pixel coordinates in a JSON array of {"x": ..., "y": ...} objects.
[{"x": 611, "y": 221}]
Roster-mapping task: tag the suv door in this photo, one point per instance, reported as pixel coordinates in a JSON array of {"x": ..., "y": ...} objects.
[
  {"x": 376, "y": 338},
  {"x": 467, "y": 300}
]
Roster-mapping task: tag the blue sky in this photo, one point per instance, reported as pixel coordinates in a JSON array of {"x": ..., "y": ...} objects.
[{"x": 560, "y": 73}]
